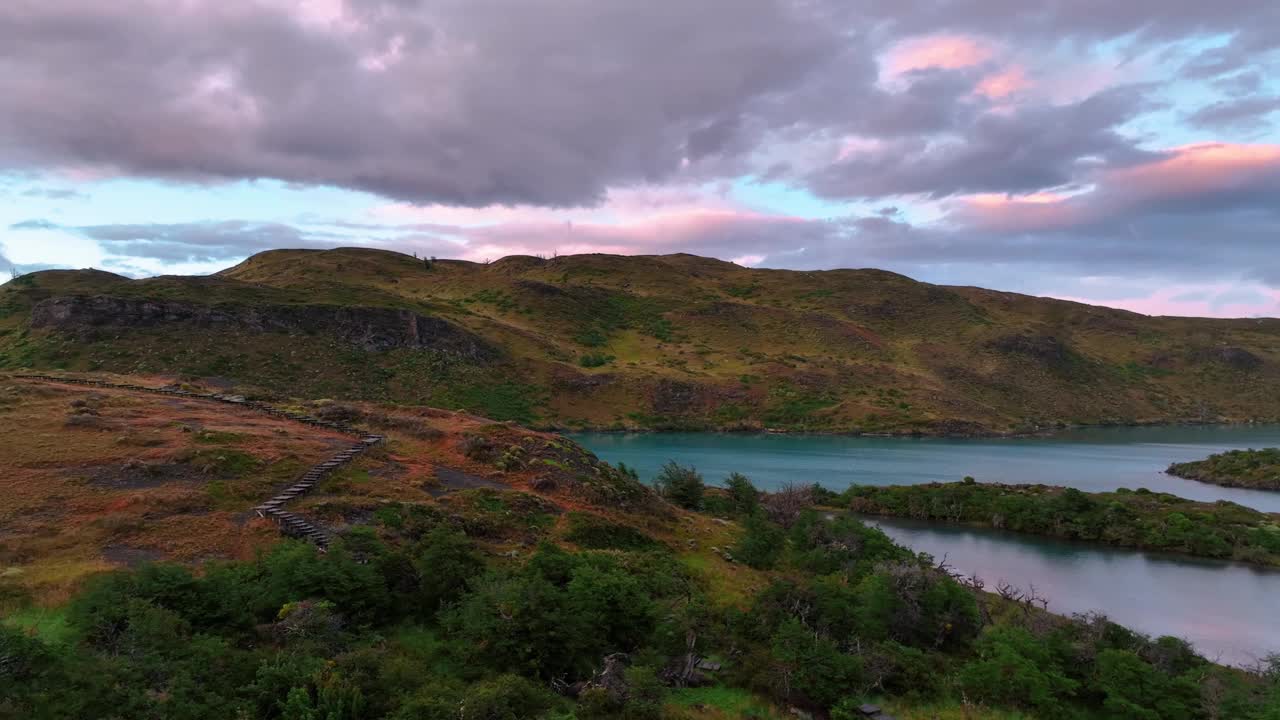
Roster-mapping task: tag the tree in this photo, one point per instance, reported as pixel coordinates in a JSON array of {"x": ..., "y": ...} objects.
[
  {"x": 681, "y": 485},
  {"x": 1014, "y": 669},
  {"x": 744, "y": 496},
  {"x": 297, "y": 706},
  {"x": 810, "y": 670},
  {"x": 762, "y": 543},
  {"x": 1135, "y": 689},
  {"x": 445, "y": 562}
]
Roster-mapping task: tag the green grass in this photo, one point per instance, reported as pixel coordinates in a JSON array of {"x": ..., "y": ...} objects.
[
  {"x": 731, "y": 702},
  {"x": 49, "y": 624},
  {"x": 948, "y": 710}
]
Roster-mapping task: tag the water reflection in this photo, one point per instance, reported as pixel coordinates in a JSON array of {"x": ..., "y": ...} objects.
[{"x": 1227, "y": 610}]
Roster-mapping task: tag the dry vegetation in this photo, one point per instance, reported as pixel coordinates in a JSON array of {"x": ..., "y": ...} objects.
[{"x": 100, "y": 478}]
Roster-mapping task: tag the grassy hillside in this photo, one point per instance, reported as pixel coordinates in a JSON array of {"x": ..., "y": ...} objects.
[{"x": 599, "y": 341}]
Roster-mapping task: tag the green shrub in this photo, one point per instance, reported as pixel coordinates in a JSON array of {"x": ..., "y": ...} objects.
[
  {"x": 744, "y": 496},
  {"x": 681, "y": 485},
  {"x": 762, "y": 543},
  {"x": 594, "y": 360},
  {"x": 596, "y": 533},
  {"x": 1015, "y": 669},
  {"x": 445, "y": 561}
]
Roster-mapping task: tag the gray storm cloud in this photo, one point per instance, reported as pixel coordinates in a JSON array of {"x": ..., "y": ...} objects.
[{"x": 555, "y": 103}]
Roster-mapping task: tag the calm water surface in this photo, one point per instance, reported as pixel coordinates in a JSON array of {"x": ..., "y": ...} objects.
[
  {"x": 1092, "y": 460},
  {"x": 1228, "y": 610}
]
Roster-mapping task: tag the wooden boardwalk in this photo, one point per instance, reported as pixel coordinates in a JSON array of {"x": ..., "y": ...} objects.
[{"x": 289, "y": 523}]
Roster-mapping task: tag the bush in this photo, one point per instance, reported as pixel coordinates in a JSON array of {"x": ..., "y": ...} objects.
[
  {"x": 478, "y": 447},
  {"x": 743, "y": 496},
  {"x": 556, "y": 616},
  {"x": 445, "y": 561},
  {"x": 681, "y": 485},
  {"x": 508, "y": 697},
  {"x": 594, "y": 360},
  {"x": 338, "y": 412},
  {"x": 762, "y": 543},
  {"x": 1014, "y": 669},
  {"x": 808, "y": 670},
  {"x": 596, "y": 533}
]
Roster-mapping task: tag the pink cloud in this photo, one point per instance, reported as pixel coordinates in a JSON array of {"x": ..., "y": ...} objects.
[
  {"x": 621, "y": 205},
  {"x": 943, "y": 52},
  {"x": 1186, "y": 171},
  {"x": 1000, "y": 85},
  {"x": 1017, "y": 213},
  {"x": 1199, "y": 169},
  {"x": 691, "y": 230},
  {"x": 1196, "y": 301},
  {"x": 632, "y": 221}
]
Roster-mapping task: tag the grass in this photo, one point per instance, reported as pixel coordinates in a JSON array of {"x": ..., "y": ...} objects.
[
  {"x": 48, "y": 624},
  {"x": 951, "y": 710},
  {"x": 722, "y": 702}
]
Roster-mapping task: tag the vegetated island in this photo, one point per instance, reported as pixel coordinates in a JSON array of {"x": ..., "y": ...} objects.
[
  {"x": 1254, "y": 469},
  {"x": 1125, "y": 518}
]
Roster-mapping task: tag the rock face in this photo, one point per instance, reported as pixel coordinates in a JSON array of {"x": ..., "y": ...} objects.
[
  {"x": 373, "y": 329},
  {"x": 1045, "y": 348},
  {"x": 1233, "y": 357}
]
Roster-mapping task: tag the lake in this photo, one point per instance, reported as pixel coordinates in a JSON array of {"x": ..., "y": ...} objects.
[
  {"x": 1227, "y": 610},
  {"x": 1094, "y": 460}
]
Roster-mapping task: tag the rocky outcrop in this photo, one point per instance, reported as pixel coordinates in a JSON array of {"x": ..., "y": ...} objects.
[
  {"x": 1045, "y": 348},
  {"x": 1233, "y": 357},
  {"x": 374, "y": 329}
]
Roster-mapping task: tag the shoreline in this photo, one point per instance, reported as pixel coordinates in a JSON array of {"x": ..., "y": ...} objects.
[
  {"x": 1040, "y": 506},
  {"x": 908, "y": 434},
  {"x": 1091, "y": 545}
]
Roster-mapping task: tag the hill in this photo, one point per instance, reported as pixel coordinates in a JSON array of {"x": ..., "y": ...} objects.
[
  {"x": 644, "y": 342},
  {"x": 475, "y": 569},
  {"x": 1257, "y": 469}
]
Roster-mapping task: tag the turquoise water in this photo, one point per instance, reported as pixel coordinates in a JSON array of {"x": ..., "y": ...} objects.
[
  {"x": 1226, "y": 610},
  {"x": 1092, "y": 460}
]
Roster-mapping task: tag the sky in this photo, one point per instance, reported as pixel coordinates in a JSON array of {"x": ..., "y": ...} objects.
[{"x": 1124, "y": 153}]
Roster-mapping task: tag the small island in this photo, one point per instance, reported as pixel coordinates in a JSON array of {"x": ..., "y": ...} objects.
[
  {"x": 1125, "y": 518},
  {"x": 1254, "y": 469}
]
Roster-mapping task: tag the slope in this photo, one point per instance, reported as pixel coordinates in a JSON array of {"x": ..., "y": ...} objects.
[{"x": 678, "y": 341}]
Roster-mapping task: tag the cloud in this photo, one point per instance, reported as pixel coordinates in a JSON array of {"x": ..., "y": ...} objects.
[
  {"x": 34, "y": 225},
  {"x": 1023, "y": 150},
  {"x": 1200, "y": 301},
  {"x": 466, "y": 102},
  {"x": 190, "y": 243},
  {"x": 1020, "y": 142},
  {"x": 1245, "y": 113},
  {"x": 945, "y": 52},
  {"x": 51, "y": 193},
  {"x": 540, "y": 102}
]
